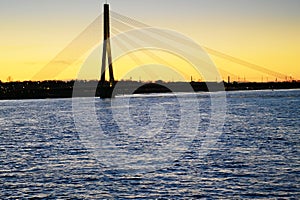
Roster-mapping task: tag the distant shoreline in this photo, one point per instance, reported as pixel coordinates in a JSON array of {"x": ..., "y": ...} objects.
[{"x": 64, "y": 89}]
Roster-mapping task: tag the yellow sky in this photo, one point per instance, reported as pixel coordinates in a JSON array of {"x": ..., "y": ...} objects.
[{"x": 29, "y": 42}]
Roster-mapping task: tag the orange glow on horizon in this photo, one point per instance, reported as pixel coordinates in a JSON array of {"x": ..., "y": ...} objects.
[{"x": 34, "y": 49}]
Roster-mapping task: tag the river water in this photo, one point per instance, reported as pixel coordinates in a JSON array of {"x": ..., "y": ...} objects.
[{"x": 152, "y": 146}]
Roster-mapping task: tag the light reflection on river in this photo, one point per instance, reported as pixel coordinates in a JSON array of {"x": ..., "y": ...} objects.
[{"x": 257, "y": 155}]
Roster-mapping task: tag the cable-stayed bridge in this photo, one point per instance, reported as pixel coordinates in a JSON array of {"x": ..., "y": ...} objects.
[{"x": 91, "y": 36}]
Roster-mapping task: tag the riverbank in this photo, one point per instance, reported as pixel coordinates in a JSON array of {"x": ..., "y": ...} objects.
[{"x": 64, "y": 89}]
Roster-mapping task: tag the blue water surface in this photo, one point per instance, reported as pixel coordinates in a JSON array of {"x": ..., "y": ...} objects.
[{"x": 256, "y": 156}]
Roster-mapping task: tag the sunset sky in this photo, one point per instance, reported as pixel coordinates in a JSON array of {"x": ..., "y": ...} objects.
[{"x": 262, "y": 32}]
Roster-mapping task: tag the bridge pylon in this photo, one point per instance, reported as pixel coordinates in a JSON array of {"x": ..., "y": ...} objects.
[{"x": 106, "y": 88}]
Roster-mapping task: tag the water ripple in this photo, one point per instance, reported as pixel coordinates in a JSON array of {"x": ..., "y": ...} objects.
[{"x": 257, "y": 156}]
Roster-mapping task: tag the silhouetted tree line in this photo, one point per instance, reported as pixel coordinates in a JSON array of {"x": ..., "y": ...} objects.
[{"x": 64, "y": 89}]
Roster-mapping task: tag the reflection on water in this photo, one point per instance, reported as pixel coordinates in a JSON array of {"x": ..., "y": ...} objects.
[{"x": 257, "y": 155}]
